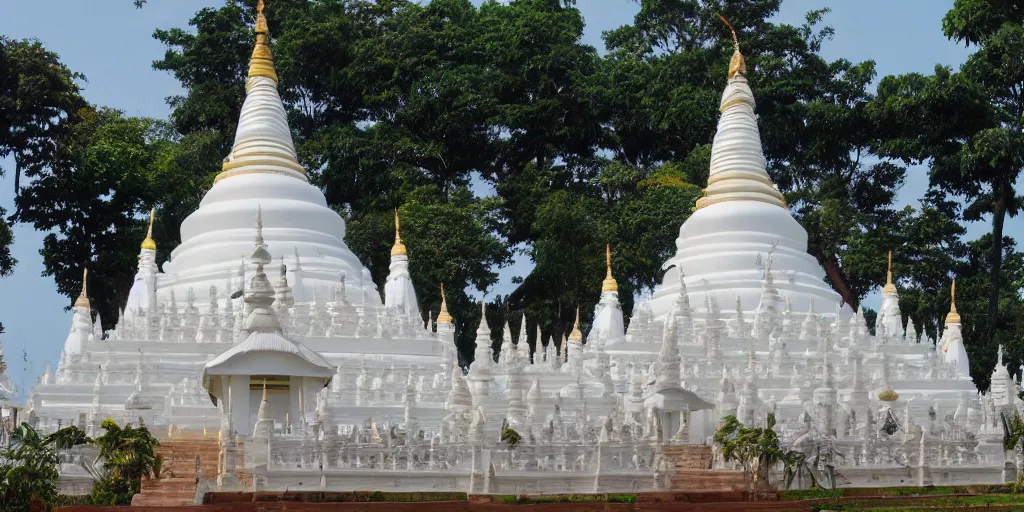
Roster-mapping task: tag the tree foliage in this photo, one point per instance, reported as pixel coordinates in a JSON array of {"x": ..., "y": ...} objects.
[
  {"x": 28, "y": 467},
  {"x": 94, "y": 199},
  {"x": 39, "y": 99},
  {"x": 756, "y": 449},
  {"x": 127, "y": 454},
  {"x": 965, "y": 125}
]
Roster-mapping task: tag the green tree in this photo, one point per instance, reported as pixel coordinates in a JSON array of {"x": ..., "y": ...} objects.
[
  {"x": 127, "y": 455},
  {"x": 965, "y": 126},
  {"x": 985, "y": 167},
  {"x": 29, "y": 471},
  {"x": 39, "y": 99},
  {"x": 756, "y": 449},
  {"x": 94, "y": 199},
  {"x": 28, "y": 467}
]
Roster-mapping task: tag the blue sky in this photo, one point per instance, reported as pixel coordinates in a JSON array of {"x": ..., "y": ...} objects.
[{"x": 110, "y": 42}]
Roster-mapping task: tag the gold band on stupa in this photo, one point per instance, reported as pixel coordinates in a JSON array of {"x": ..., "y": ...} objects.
[{"x": 262, "y": 61}]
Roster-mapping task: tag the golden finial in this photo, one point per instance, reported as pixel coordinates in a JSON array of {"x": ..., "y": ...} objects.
[
  {"x": 609, "y": 284},
  {"x": 576, "y": 334},
  {"x": 399, "y": 248},
  {"x": 889, "y": 286},
  {"x": 83, "y": 298},
  {"x": 736, "y": 64},
  {"x": 444, "y": 317},
  {"x": 262, "y": 61},
  {"x": 953, "y": 317},
  {"x": 264, "y": 379},
  {"x": 149, "y": 243}
]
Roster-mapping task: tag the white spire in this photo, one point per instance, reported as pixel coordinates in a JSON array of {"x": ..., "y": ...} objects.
[
  {"x": 738, "y": 167},
  {"x": 483, "y": 357},
  {"x": 523, "y": 346},
  {"x": 668, "y": 360},
  {"x": 398, "y": 290},
  {"x": 259, "y": 295},
  {"x": 263, "y": 141},
  {"x": 608, "y": 327}
]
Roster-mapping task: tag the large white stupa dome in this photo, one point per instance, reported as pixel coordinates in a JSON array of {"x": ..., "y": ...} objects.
[
  {"x": 263, "y": 172},
  {"x": 740, "y": 224}
]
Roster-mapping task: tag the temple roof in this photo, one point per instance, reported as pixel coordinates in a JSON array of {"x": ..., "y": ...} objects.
[{"x": 276, "y": 343}]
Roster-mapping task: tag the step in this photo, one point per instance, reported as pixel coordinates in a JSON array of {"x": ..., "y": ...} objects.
[
  {"x": 170, "y": 484},
  {"x": 163, "y": 500}
]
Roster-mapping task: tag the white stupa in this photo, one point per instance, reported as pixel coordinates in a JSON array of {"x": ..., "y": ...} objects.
[
  {"x": 951, "y": 345},
  {"x": 263, "y": 170},
  {"x": 741, "y": 217}
]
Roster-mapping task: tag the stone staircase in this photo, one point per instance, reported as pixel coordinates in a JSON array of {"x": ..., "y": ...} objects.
[
  {"x": 177, "y": 484},
  {"x": 690, "y": 470}
]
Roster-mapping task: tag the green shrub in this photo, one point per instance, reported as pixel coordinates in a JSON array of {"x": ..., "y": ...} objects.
[
  {"x": 816, "y": 493},
  {"x": 622, "y": 498},
  {"x": 71, "y": 500},
  {"x": 128, "y": 455},
  {"x": 415, "y": 497}
]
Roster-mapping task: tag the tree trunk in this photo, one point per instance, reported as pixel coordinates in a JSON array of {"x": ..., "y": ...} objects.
[
  {"x": 835, "y": 275},
  {"x": 1001, "y": 191}
]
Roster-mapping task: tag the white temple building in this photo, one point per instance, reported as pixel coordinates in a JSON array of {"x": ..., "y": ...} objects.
[{"x": 309, "y": 380}]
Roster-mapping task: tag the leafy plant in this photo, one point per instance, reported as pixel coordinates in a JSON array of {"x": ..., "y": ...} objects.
[
  {"x": 754, "y": 448},
  {"x": 28, "y": 468},
  {"x": 509, "y": 435},
  {"x": 1013, "y": 432},
  {"x": 127, "y": 455}
]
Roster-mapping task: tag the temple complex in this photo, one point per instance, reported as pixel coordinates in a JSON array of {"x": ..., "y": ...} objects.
[{"x": 264, "y": 332}]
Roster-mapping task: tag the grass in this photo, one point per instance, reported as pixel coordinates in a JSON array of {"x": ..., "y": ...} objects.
[
  {"x": 540, "y": 499},
  {"x": 921, "y": 503}
]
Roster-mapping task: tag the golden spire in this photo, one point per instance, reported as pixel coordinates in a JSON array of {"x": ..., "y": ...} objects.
[
  {"x": 149, "y": 243},
  {"x": 262, "y": 61},
  {"x": 889, "y": 286},
  {"x": 444, "y": 317},
  {"x": 83, "y": 298},
  {"x": 576, "y": 334},
  {"x": 953, "y": 317},
  {"x": 399, "y": 248},
  {"x": 736, "y": 64},
  {"x": 609, "y": 284}
]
